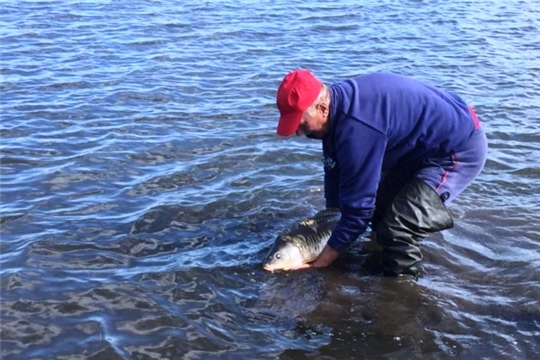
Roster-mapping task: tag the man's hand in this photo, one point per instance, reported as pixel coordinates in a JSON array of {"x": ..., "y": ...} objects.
[{"x": 325, "y": 258}]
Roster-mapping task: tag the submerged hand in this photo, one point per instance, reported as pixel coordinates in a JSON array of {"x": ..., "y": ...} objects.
[{"x": 325, "y": 258}]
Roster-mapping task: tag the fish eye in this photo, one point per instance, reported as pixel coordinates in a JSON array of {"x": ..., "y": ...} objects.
[{"x": 278, "y": 256}]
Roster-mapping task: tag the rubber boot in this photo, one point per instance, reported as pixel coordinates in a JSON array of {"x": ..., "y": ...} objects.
[
  {"x": 416, "y": 211},
  {"x": 389, "y": 187}
]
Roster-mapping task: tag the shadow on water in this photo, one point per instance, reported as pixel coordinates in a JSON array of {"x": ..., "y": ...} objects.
[{"x": 367, "y": 316}]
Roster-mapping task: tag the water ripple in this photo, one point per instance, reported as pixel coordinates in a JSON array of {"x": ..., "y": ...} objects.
[{"x": 142, "y": 183}]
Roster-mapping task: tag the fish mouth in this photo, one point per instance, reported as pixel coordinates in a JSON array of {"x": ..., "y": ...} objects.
[
  {"x": 272, "y": 269},
  {"x": 268, "y": 267}
]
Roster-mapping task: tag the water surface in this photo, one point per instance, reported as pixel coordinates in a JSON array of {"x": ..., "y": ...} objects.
[{"x": 142, "y": 182}]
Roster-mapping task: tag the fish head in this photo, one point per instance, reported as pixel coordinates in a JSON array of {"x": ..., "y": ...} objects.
[{"x": 283, "y": 255}]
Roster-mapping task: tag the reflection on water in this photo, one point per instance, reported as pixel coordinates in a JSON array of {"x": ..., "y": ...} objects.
[{"x": 142, "y": 182}]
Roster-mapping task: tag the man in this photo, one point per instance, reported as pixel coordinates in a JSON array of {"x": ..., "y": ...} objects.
[{"x": 396, "y": 152}]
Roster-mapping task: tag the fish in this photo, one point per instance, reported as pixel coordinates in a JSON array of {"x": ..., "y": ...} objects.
[{"x": 302, "y": 242}]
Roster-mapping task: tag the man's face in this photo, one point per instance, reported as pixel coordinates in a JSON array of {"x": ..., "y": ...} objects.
[{"x": 314, "y": 126}]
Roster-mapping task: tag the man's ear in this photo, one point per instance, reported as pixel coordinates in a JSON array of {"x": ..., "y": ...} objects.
[{"x": 323, "y": 107}]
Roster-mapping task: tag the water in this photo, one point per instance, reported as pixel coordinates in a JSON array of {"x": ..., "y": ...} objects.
[{"x": 142, "y": 182}]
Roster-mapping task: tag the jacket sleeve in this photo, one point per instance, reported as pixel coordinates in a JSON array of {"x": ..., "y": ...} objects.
[
  {"x": 359, "y": 152},
  {"x": 331, "y": 178}
]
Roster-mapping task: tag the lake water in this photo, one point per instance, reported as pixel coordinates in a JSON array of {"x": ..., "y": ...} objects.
[{"x": 142, "y": 182}]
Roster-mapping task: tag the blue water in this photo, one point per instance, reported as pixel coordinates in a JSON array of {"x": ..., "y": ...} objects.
[{"x": 142, "y": 182}]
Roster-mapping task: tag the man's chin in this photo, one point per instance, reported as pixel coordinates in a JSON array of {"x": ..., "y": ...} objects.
[{"x": 314, "y": 136}]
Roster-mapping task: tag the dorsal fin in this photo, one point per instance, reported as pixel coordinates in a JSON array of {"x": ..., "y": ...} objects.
[{"x": 323, "y": 216}]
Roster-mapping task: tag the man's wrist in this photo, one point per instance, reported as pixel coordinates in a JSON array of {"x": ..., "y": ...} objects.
[{"x": 327, "y": 256}]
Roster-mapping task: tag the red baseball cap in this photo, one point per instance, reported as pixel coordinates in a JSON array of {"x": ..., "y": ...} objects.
[{"x": 296, "y": 93}]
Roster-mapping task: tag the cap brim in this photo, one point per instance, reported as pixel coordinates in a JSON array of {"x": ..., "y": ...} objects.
[{"x": 288, "y": 124}]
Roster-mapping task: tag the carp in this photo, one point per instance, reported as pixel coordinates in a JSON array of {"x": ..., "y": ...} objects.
[{"x": 302, "y": 242}]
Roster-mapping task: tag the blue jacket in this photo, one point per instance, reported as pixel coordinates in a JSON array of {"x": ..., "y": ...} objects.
[{"x": 380, "y": 122}]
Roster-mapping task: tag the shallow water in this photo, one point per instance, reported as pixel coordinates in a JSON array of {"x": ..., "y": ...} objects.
[{"x": 142, "y": 182}]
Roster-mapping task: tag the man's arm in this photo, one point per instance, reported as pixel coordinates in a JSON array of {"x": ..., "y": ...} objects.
[
  {"x": 331, "y": 176},
  {"x": 360, "y": 152}
]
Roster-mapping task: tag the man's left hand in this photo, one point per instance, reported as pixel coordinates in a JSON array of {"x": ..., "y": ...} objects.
[{"x": 325, "y": 258}]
